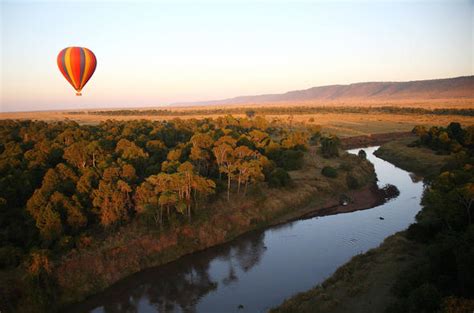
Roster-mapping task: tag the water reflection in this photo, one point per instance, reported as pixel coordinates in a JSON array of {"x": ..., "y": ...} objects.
[
  {"x": 178, "y": 286},
  {"x": 260, "y": 269}
]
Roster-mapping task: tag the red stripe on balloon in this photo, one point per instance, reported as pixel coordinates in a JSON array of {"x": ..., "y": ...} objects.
[
  {"x": 61, "y": 66},
  {"x": 76, "y": 66}
]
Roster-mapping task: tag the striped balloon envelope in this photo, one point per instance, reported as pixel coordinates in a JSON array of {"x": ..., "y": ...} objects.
[{"x": 77, "y": 65}]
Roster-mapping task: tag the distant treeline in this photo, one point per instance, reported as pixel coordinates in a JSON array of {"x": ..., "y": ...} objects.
[{"x": 288, "y": 110}]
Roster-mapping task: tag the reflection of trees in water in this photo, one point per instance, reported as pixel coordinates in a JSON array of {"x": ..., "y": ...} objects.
[
  {"x": 182, "y": 289},
  {"x": 249, "y": 252},
  {"x": 179, "y": 285}
]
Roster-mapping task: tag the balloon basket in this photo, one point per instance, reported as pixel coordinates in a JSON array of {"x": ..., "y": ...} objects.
[{"x": 78, "y": 94}]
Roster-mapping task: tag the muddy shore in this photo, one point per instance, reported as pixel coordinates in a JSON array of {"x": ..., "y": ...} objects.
[{"x": 365, "y": 198}]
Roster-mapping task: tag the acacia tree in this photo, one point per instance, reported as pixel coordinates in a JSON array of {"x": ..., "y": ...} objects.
[
  {"x": 172, "y": 162},
  {"x": 157, "y": 194},
  {"x": 52, "y": 202},
  {"x": 200, "y": 151},
  {"x": 177, "y": 190},
  {"x": 112, "y": 199},
  {"x": 242, "y": 155},
  {"x": 296, "y": 139},
  {"x": 225, "y": 160},
  {"x": 167, "y": 199},
  {"x": 191, "y": 184},
  {"x": 76, "y": 154},
  {"x": 260, "y": 138},
  {"x": 253, "y": 172},
  {"x": 147, "y": 202}
]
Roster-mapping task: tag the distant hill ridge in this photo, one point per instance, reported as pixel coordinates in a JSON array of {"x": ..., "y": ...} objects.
[{"x": 458, "y": 87}]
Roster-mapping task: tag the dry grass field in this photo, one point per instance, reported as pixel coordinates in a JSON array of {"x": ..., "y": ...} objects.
[{"x": 341, "y": 124}]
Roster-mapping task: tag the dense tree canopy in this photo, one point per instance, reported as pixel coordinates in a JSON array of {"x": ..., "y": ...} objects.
[{"x": 61, "y": 180}]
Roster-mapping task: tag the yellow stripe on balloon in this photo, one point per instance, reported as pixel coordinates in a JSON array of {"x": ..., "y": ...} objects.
[
  {"x": 87, "y": 66},
  {"x": 67, "y": 61}
]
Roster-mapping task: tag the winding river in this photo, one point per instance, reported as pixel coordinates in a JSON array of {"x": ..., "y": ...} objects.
[{"x": 259, "y": 270}]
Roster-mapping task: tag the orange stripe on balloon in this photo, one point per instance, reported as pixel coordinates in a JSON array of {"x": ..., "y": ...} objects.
[
  {"x": 91, "y": 64},
  {"x": 67, "y": 61}
]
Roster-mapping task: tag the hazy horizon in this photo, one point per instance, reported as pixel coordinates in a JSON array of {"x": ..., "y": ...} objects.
[{"x": 152, "y": 54}]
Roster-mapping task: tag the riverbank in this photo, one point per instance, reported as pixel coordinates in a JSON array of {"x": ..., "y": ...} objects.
[
  {"x": 372, "y": 139},
  {"x": 133, "y": 249},
  {"x": 89, "y": 270},
  {"x": 364, "y": 283},
  {"x": 422, "y": 161}
]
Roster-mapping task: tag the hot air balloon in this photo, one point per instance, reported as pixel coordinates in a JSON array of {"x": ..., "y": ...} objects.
[{"x": 77, "y": 65}]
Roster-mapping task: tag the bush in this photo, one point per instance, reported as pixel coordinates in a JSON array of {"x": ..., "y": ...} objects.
[
  {"x": 279, "y": 178},
  {"x": 287, "y": 159},
  {"x": 329, "y": 171},
  {"x": 330, "y": 146},
  {"x": 352, "y": 182},
  {"x": 362, "y": 154}
]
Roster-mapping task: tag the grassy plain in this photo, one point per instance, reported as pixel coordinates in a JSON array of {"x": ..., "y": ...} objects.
[
  {"x": 419, "y": 160},
  {"x": 341, "y": 124}
]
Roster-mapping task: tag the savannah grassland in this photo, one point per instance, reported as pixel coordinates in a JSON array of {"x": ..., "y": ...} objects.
[
  {"x": 337, "y": 123},
  {"x": 114, "y": 255}
]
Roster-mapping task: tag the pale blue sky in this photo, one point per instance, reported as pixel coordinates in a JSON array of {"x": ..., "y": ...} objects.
[{"x": 154, "y": 53}]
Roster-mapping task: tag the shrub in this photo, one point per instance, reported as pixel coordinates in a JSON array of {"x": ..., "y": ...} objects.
[
  {"x": 362, "y": 154},
  {"x": 330, "y": 146},
  {"x": 279, "y": 178},
  {"x": 352, "y": 182},
  {"x": 287, "y": 159},
  {"x": 291, "y": 160},
  {"x": 329, "y": 171}
]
